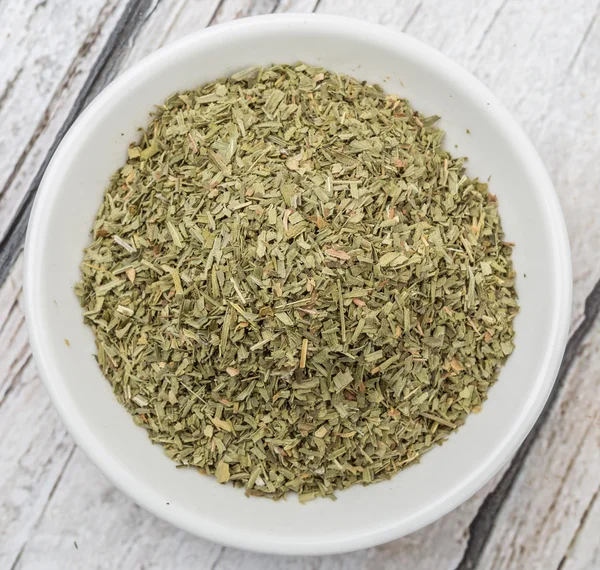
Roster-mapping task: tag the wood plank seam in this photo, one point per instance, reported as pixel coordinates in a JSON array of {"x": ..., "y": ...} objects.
[
  {"x": 490, "y": 25},
  {"x": 43, "y": 511},
  {"x": 70, "y": 73},
  {"x": 578, "y": 530},
  {"x": 13, "y": 306},
  {"x": 482, "y": 525},
  {"x": 551, "y": 508},
  {"x": 15, "y": 379},
  {"x": 213, "y": 566},
  {"x": 412, "y": 17},
  {"x": 127, "y": 27},
  {"x": 10, "y": 86},
  {"x": 174, "y": 21},
  {"x": 584, "y": 38},
  {"x": 215, "y": 15}
]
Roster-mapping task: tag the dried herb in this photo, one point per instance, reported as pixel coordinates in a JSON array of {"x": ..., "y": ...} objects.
[{"x": 293, "y": 286}]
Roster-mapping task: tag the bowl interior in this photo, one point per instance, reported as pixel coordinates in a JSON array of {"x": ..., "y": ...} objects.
[{"x": 71, "y": 193}]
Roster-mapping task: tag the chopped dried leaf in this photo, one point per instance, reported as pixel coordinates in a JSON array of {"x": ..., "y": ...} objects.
[{"x": 293, "y": 286}]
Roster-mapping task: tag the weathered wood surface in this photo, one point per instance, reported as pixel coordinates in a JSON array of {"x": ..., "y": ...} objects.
[{"x": 541, "y": 58}]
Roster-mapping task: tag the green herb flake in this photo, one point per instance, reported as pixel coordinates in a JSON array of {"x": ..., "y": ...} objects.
[{"x": 294, "y": 286}]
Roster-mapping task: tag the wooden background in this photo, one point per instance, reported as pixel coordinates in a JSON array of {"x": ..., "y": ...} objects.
[{"x": 541, "y": 58}]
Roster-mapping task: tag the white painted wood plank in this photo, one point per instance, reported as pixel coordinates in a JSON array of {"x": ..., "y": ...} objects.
[
  {"x": 47, "y": 50},
  {"x": 584, "y": 550},
  {"x": 560, "y": 477},
  {"x": 567, "y": 137},
  {"x": 296, "y": 6},
  {"x": 170, "y": 21},
  {"x": 90, "y": 524},
  {"x": 34, "y": 445},
  {"x": 234, "y": 9},
  {"x": 391, "y": 13},
  {"x": 175, "y": 19},
  {"x": 13, "y": 337}
]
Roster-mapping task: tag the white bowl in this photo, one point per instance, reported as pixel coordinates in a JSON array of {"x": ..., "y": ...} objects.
[{"x": 59, "y": 229}]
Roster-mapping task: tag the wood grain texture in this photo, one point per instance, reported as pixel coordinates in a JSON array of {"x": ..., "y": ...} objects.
[
  {"x": 296, "y": 6},
  {"x": 584, "y": 549},
  {"x": 34, "y": 446},
  {"x": 169, "y": 21},
  {"x": 543, "y": 60},
  {"x": 100, "y": 70},
  {"x": 559, "y": 482},
  {"x": 13, "y": 337},
  {"x": 40, "y": 76},
  {"x": 113, "y": 532}
]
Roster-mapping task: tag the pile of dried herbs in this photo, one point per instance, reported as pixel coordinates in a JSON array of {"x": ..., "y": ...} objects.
[{"x": 293, "y": 286}]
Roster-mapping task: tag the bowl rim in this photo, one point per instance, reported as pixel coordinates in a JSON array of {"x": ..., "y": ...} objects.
[{"x": 150, "y": 500}]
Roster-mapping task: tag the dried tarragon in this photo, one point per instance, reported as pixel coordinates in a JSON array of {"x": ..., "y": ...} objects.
[{"x": 293, "y": 286}]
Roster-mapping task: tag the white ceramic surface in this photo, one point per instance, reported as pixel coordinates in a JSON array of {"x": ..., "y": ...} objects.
[{"x": 71, "y": 192}]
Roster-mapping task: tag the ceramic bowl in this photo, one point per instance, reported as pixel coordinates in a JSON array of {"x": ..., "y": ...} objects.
[{"x": 59, "y": 229}]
